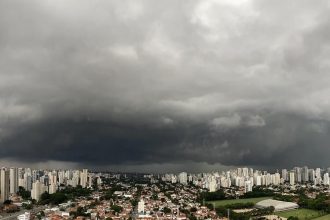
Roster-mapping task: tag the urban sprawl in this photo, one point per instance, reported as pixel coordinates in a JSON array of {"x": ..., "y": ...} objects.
[{"x": 241, "y": 193}]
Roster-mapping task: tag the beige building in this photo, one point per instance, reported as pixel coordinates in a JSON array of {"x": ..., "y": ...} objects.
[{"x": 4, "y": 184}]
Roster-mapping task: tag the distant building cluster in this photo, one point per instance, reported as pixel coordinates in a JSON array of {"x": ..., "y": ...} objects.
[
  {"x": 39, "y": 181},
  {"x": 140, "y": 196},
  {"x": 248, "y": 177}
]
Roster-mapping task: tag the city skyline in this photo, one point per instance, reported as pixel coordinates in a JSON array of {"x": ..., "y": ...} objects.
[
  {"x": 164, "y": 85},
  {"x": 70, "y": 193}
]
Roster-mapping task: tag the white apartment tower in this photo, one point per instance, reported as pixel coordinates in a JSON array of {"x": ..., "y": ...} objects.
[
  {"x": 52, "y": 188},
  {"x": 213, "y": 184},
  {"x": 38, "y": 188},
  {"x": 183, "y": 178},
  {"x": 292, "y": 178},
  {"x": 257, "y": 180},
  {"x": 247, "y": 186},
  {"x": 13, "y": 179},
  {"x": 83, "y": 178},
  {"x": 4, "y": 184},
  {"x": 285, "y": 175},
  {"x": 326, "y": 180}
]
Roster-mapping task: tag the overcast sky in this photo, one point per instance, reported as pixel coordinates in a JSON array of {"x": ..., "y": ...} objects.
[{"x": 165, "y": 85}]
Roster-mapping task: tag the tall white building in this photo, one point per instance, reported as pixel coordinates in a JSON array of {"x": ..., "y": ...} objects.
[
  {"x": 13, "y": 179},
  {"x": 312, "y": 175},
  {"x": 298, "y": 174},
  {"x": 257, "y": 180},
  {"x": 305, "y": 175},
  {"x": 245, "y": 172},
  {"x": 239, "y": 181},
  {"x": 292, "y": 178},
  {"x": 285, "y": 175},
  {"x": 38, "y": 188},
  {"x": 326, "y": 180},
  {"x": 90, "y": 181},
  {"x": 213, "y": 184},
  {"x": 99, "y": 181},
  {"x": 247, "y": 186},
  {"x": 276, "y": 179},
  {"x": 173, "y": 179},
  {"x": 4, "y": 184},
  {"x": 21, "y": 183},
  {"x": 61, "y": 177},
  {"x": 52, "y": 188},
  {"x": 239, "y": 172},
  {"x": 318, "y": 173},
  {"x": 28, "y": 181},
  {"x": 52, "y": 178},
  {"x": 183, "y": 178},
  {"x": 83, "y": 178}
]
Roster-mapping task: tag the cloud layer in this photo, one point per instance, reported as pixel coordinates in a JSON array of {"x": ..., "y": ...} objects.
[{"x": 122, "y": 83}]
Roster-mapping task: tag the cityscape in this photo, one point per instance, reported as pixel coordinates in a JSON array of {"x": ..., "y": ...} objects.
[
  {"x": 240, "y": 193},
  {"x": 164, "y": 110}
]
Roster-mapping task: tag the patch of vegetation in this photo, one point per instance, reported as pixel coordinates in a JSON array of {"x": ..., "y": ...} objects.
[
  {"x": 301, "y": 214},
  {"x": 55, "y": 198},
  {"x": 24, "y": 193}
]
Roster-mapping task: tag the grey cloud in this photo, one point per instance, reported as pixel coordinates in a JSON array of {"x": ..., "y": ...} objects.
[
  {"x": 122, "y": 83},
  {"x": 231, "y": 121},
  {"x": 255, "y": 121}
]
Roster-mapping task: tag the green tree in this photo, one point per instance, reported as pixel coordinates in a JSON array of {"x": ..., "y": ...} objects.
[
  {"x": 24, "y": 193},
  {"x": 55, "y": 198},
  {"x": 167, "y": 210},
  {"x": 116, "y": 208},
  {"x": 193, "y": 209}
]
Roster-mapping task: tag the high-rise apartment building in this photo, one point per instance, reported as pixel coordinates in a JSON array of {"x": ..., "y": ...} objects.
[
  {"x": 83, "y": 178},
  {"x": 248, "y": 186},
  {"x": 4, "y": 184},
  {"x": 292, "y": 178},
  {"x": 285, "y": 175},
  {"x": 326, "y": 180},
  {"x": 305, "y": 176},
  {"x": 183, "y": 178},
  {"x": 38, "y": 188},
  {"x": 13, "y": 179},
  {"x": 298, "y": 174}
]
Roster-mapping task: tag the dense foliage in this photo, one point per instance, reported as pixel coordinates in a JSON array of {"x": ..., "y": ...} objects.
[
  {"x": 167, "y": 210},
  {"x": 116, "y": 208},
  {"x": 24, "y": 193},
  {"x": 55, "y": 198},
  {"x": 211, "y": 196},
  {"x": 320, "y": 203},
  {"x": 258, "y": 192},
  {"x": 74, "y": 192}
]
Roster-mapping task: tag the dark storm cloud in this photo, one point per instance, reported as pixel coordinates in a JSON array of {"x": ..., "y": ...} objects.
[{"x": 139, "y": 83}]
